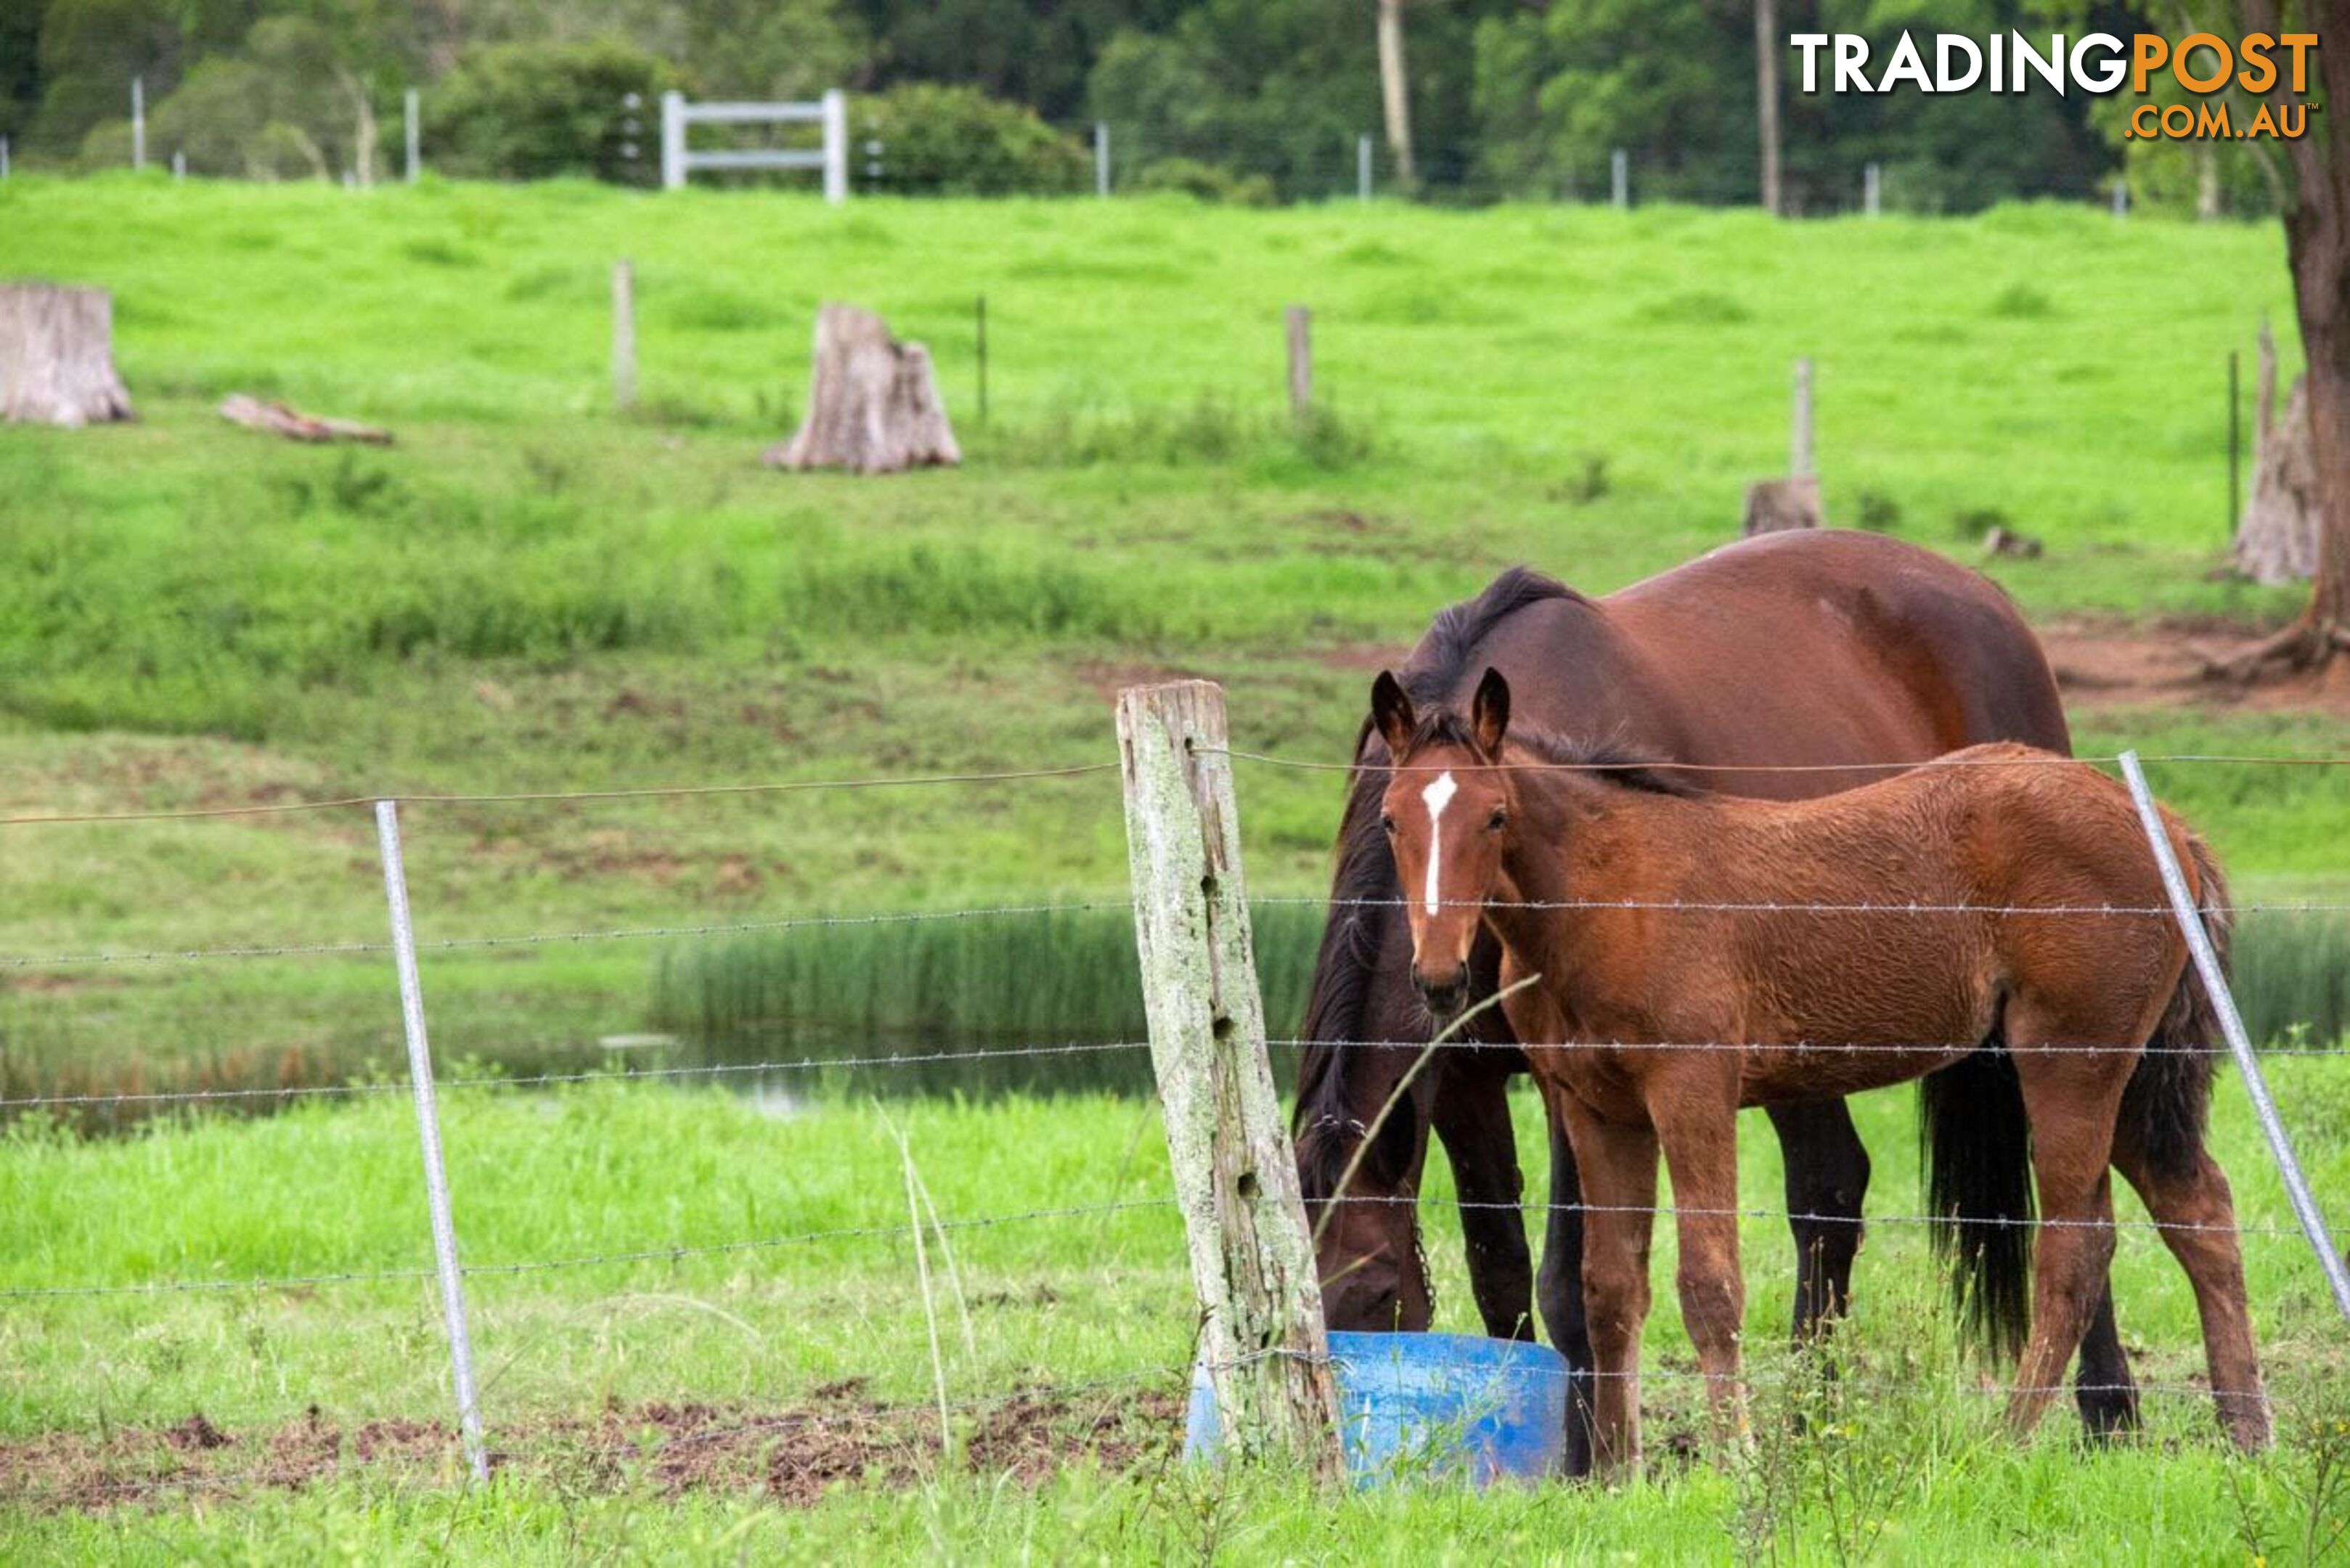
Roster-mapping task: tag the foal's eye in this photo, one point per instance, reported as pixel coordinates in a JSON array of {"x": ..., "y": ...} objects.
[
  {"x": 1387, "y": 823},
  {"x": 1498, "y": 820}
]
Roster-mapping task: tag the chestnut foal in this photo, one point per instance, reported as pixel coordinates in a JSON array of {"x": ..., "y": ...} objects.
[{"x": 1687, "y": 969}]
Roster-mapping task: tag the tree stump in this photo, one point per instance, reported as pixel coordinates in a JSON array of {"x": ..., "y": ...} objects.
[
  {"x": 1772, "y": 505},
  {"x": 56, "y": 356},
  {"x": 873, "y": 402},
  {"x": 2277, "y": 541}
]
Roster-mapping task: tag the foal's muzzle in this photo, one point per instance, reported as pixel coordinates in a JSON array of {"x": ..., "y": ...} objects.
[{"x": 1445, "y": 991}]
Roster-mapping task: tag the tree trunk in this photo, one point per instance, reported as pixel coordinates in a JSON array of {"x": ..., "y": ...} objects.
[
  {"x": 2277, "y": 541},
  {"x": 1766, "y": 98},
  {"x": 56, "y": 356},
  {"x": 873, "y": 402},
  {"x": 2317, "y": 246},
  {"x": 1395, "y": 87}
]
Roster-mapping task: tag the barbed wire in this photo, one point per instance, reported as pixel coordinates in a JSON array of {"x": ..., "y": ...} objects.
[
  {"x": 672, "y": 1253},
  {"x": 520, "y": 797},
  {"x": 1795, "y": 1047},
  {"x": 1764, "y": 907},
  {"x": 551, "y": 939},
  {"x": 586, "y": 1075},
  {"x": 685, "y": 1251},
  {"x": 1668, "y": 1210},
  {"x": 1666, "y": 765}
]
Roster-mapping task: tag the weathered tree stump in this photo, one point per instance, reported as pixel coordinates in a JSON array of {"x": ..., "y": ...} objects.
[
  {"x": 873, "y": 402},
  {"x": 2277, "y": 540},
  {"x": 1772, "y": 505},
  {"x": 56, "y": 356}
]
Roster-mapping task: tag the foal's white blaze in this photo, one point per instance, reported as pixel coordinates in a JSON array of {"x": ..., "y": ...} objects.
[{"x": 1438, "y": 796}]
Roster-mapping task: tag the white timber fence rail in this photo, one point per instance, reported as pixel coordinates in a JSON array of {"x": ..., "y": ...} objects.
[
  {"x": 830, "y": 112},
  {"x": 1235, "y": 1175}
]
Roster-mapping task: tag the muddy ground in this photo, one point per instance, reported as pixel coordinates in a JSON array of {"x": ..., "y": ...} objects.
[{"x": 790, "y": 1455}]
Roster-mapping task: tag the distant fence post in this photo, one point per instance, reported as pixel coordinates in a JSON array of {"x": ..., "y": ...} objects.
[
  {"x": 673, "y": 140},
  {"x": 139, "y": 123},
  {"x": 1299, "y": 321},
  {"x": 178, "y": 165},
  {"x": 428, "y": 1127},
  {"x": 1872, "y": 182},
  {"x": 1363, "y": 166},
  {"x": 2121, "y": 198},
  {"x": 1799, "y": 452},
  {"x": 1101, "y": 158},
  {"x": 1261, "y": 1340},
  {"x": 1620, "y": 178},
  {"x": 836, "y": 146},
  {"x": 2231, "y": 1024},
  {"x": 624, "y": 335},
  {"x": 412, "y": 127},
  {"x": 4, "y": 158}
]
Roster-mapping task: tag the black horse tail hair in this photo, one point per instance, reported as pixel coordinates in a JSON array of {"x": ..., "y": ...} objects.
[
  {"x": 2169, "y": 1098},
  {"x": 1975, "y": 1145}
]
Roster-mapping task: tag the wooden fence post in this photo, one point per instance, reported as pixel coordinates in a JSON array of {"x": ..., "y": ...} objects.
[
  {"x": 1262, "y": 1338},
  {"x": 624, "y": 335},
  {"x": 1300, "y": 323}
]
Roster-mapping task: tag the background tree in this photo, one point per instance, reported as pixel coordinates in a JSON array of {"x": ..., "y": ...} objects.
[{"x": 2317, "y": 247}]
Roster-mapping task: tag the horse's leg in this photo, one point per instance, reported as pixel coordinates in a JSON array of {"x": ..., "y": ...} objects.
[
  {"x": 2071, "y": 1100},
  {"x": 1619, "y": 1165},
  {"x": 1471, "y": 1117},
  {"x": 1559, "y": 1290},
  {"x": 2102, "y": 1385},
  {"x": 1827, "y": 1177},
  {"x": 2198, "y": 1216},
  {"x": 1696, "y": 1121}
]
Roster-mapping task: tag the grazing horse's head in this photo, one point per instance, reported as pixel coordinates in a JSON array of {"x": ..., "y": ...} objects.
[{"x": 1444, "y": 813}]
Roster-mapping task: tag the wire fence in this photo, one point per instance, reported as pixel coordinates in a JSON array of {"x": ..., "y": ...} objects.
[{"x": 898, "y": 1231}]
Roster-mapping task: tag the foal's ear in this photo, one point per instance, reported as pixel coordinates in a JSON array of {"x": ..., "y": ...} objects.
[
  {"x": 1488, "y": 715},
  {"x": 1391, "y": 712}
]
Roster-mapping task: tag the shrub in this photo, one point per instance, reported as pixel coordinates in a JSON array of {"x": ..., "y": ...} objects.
[
  {"x": 1208, "y": 181},
  {"x": 958, "y": 142},
  {"x": 531, "y": 111}
]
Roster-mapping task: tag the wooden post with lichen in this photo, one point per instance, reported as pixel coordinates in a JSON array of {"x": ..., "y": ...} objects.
[{"x": 1262, "y": 1338}]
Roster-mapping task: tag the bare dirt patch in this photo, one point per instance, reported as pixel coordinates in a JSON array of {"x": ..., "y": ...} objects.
[
  {"x": 2110, "y": 663},
  {"x": 793, "y": 1455}
]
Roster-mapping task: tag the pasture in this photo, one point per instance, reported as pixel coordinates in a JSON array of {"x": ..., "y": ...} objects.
[{"x": 531, "y": 592}]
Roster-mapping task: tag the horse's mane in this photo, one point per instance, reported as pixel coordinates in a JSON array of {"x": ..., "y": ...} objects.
[{"x": 1365, "y": 876}]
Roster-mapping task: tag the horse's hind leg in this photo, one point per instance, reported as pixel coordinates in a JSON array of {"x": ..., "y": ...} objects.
[
  {"x": 2101, "y": 1385},
  {"x": 2071, "y": 1100},
  {"x": 2197, "y": 1217},
  {"x": 1828, "y": 1178}
]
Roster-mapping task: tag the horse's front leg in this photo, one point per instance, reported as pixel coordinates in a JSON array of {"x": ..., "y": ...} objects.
[
  {"x": 1828, "y": 1178},
  {"x": 1471, "y": 1119},
  {"x": 1696, "y": 1121},
  {"x": 1617, "y": 1161},
  {"x": 1559, "y": 1291}
]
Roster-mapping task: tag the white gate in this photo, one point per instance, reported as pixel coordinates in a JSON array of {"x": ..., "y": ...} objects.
[{"x": 831, "y": 112}]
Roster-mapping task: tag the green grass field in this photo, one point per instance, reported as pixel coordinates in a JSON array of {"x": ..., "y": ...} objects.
[{"x": 532, "y": 593}]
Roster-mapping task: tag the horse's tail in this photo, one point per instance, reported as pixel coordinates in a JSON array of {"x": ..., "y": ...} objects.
[
  {"x": 2169, "y": 1095},
  {"x": 1976, "y": 1146}
]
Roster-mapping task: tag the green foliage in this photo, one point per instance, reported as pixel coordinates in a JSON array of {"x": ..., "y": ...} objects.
[
  {"x": 958, "y": 142},
  {"x": 537, "y": 111},
  {"x": 1208, "y": 181}
]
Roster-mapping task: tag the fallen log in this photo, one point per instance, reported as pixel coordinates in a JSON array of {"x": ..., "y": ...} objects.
[{"x": 295, "y": 425}]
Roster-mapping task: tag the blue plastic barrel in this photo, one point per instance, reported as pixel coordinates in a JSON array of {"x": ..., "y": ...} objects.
[{"x": 1412, "y": 1405}]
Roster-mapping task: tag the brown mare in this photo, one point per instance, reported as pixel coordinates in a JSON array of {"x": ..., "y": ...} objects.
[
  {"x": 1696, "y": 953},
  {"x": 1821, "y": 651}
]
